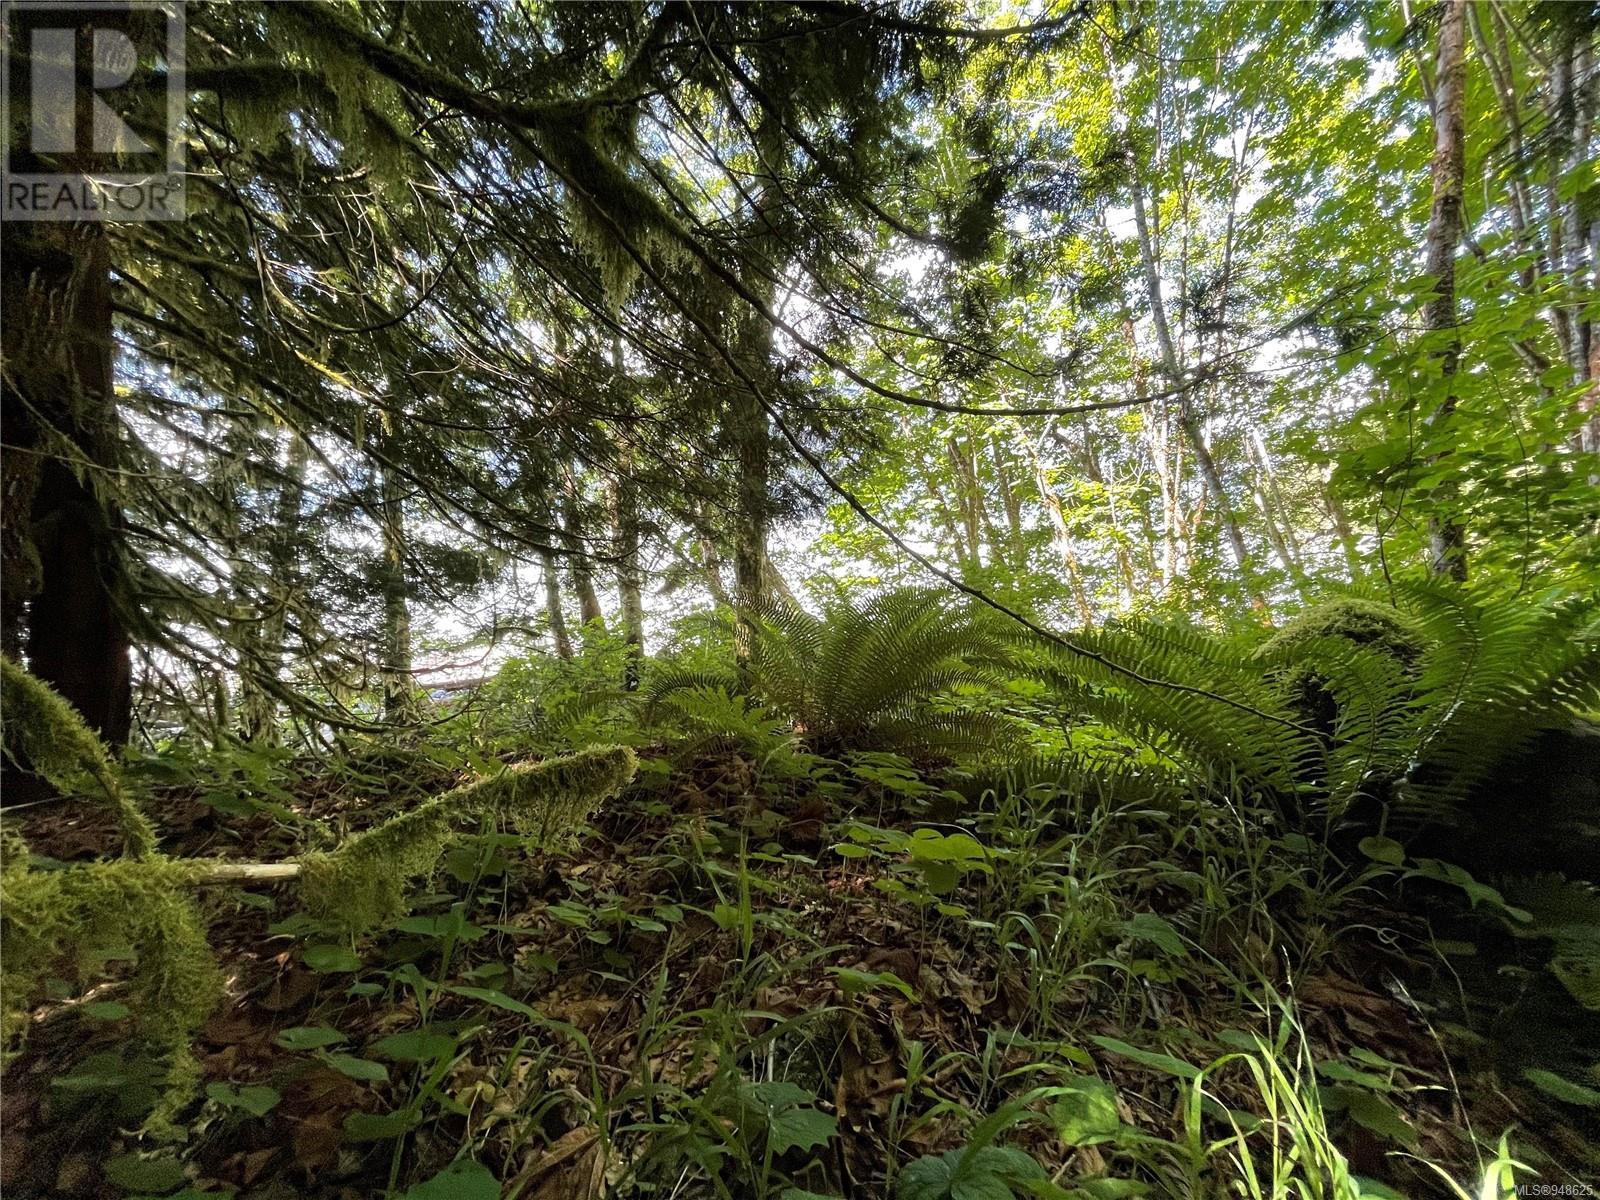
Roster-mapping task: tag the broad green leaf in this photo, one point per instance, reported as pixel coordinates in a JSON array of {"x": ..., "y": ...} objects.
[
  {"x": 498, "y": 999},
  {"x": 363, "y": 1069},
  {"x": 416, "y": 1046},
  {"x": 1087, "y": 1115},
  {"x": 136, "y": 1173},
  {"x": 461, "y": 1180},
  {"x": 104, "y": 1010},
  {"x": 1148, "y": 1058},
  {"x": 371, "y": 1127},
  {"x": 1156, "y": 930},
  {"x": 254, "y": 1099},
  {"x": 331, "y": 959},
  {"x": 1383, "y": 850},
  {"x": 1562, "y": 1089},
  {"x": 308, "y": 1037}
]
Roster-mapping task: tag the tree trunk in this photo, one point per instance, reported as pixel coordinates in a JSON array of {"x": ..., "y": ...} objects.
[
  {"x": 1061, "y": 537},
  {"x": 747, "y": 418},
  {"x": 258, "y": 702},
  {"x": 1447, "y": 545},
  {"x": 625, "y": 508},
  {"x": 1187, "y": 420},
  {"x": 395, "y": 668},
  {"x": 552, "y": 605},
  {"x": 579, "y": 567},
  {"x": 65, "y": 583}
]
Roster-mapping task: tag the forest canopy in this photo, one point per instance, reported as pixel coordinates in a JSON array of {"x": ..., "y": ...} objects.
[{"x": 905, "y": 598}]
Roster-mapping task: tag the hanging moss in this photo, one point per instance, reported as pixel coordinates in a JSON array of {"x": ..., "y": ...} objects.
[
  {"x": 73, "y": 917},
  {"x": 362, "y": 885},
  {"x": 40, "y": 726}
]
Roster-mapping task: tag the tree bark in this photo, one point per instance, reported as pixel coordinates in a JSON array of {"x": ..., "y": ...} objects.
[
  {"x": 65, "y": 583},
  {"x": 552, "y": 605},
  {"x": 1187, "y": 420},
  {"x": 625, "y": 507},
  {"x": 258, "y": 702},
  {"x": 1447, "y": 545},
  {"x": 579, "y": 567},
  {"x": 1061, "y": 537},
  {"x": 395, "y": 668},
  {"x": 747, "y": 418}
]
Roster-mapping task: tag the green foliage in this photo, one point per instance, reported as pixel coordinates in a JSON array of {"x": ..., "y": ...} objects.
[
  {"x": 1417, "y": 705},
  {"x": 889, "y": 673},
  {"x": 363, "y": 884},
  {"x": 1294, "y": 649},
  {"x": 81, "y": 914},
  {"x": 51, "y": 737}
]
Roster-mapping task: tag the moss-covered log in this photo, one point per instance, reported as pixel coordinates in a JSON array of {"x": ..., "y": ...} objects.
[
  {"x": 39, "y": 726},
  {"x": 361, "y": 885}
]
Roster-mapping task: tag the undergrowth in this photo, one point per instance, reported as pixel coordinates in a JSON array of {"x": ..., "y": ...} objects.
[{"x": 1137, "y": 958}]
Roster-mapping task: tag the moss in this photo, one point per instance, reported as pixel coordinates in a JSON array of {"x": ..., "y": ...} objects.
[
  {"x": 75, "y": 916},
  {"x": 362, "y": 885},
  {"x": 40, "y": 726},
  {"x": 1367, "y": 623},
  {"x": 13, "y": 850},
  {"x": 1293, "y": 650}
]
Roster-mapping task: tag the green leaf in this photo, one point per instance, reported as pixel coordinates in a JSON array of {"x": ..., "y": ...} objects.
[
  {"x": 1149, "y": 1058},
  {"x": 498, "y": 999},
  {"x": 461, "y": 1180},
  {"x": 1562, "y": 1089},
  {"x": 1378, "y": 1191},
  {"x": 133, "y": 1173},
  {"x": 799, "y": 1127},
  {"x": 1341, "y": 1072},
  {"x": 853, "y": 982},
  {"x": 92, "y": 1079},
  {"x": 793, "y": 1121},
  {"x": 1376, "y": 1114},
  {"x": 371, "y": 1127},
  {"x": 442, "y": 925},
  {"x": 308, "y": 1037},
  {"x": 1382, "y": 850},
  {"x": 1087, "y": 1114},
  {"x": 363, "y": 1069},
  {"x": 1156, "y": 930},
  {"x": 928, "y": 1178},
  {"x": 416, "y": 1046},
  {"x": 254, "y": 1099},
  {"x": 329, "y": 959}
]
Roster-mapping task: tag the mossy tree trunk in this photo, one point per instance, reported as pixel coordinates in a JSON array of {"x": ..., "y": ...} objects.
[{"x": 65, "y": 579}]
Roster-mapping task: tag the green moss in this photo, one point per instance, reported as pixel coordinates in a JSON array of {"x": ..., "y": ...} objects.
[
  {"x": 13, "y": 850},
  {"x": 42, "y": 727},
  {"x": 1294, "y": 651},
  {"x": 1367, "y": 623},
  {"x": 76, "y": 916},
  {"x": 362, "y": 885}
]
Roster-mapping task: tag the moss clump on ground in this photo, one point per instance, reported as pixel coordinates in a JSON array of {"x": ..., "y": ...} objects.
[
  {"x": 1295, "y": 651},
  {"x": 79, "y": 914},
  {"x": 46, "y": 731},
  {"x": 362, "y": 885}
]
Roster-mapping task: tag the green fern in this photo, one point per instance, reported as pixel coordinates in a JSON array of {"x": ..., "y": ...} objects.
[
  {"x": 1414, "y": 706},
  {"x": 886, "y": 674}
]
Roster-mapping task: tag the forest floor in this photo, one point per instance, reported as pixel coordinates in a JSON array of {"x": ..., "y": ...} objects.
[{"x": 707, "y": 995}]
